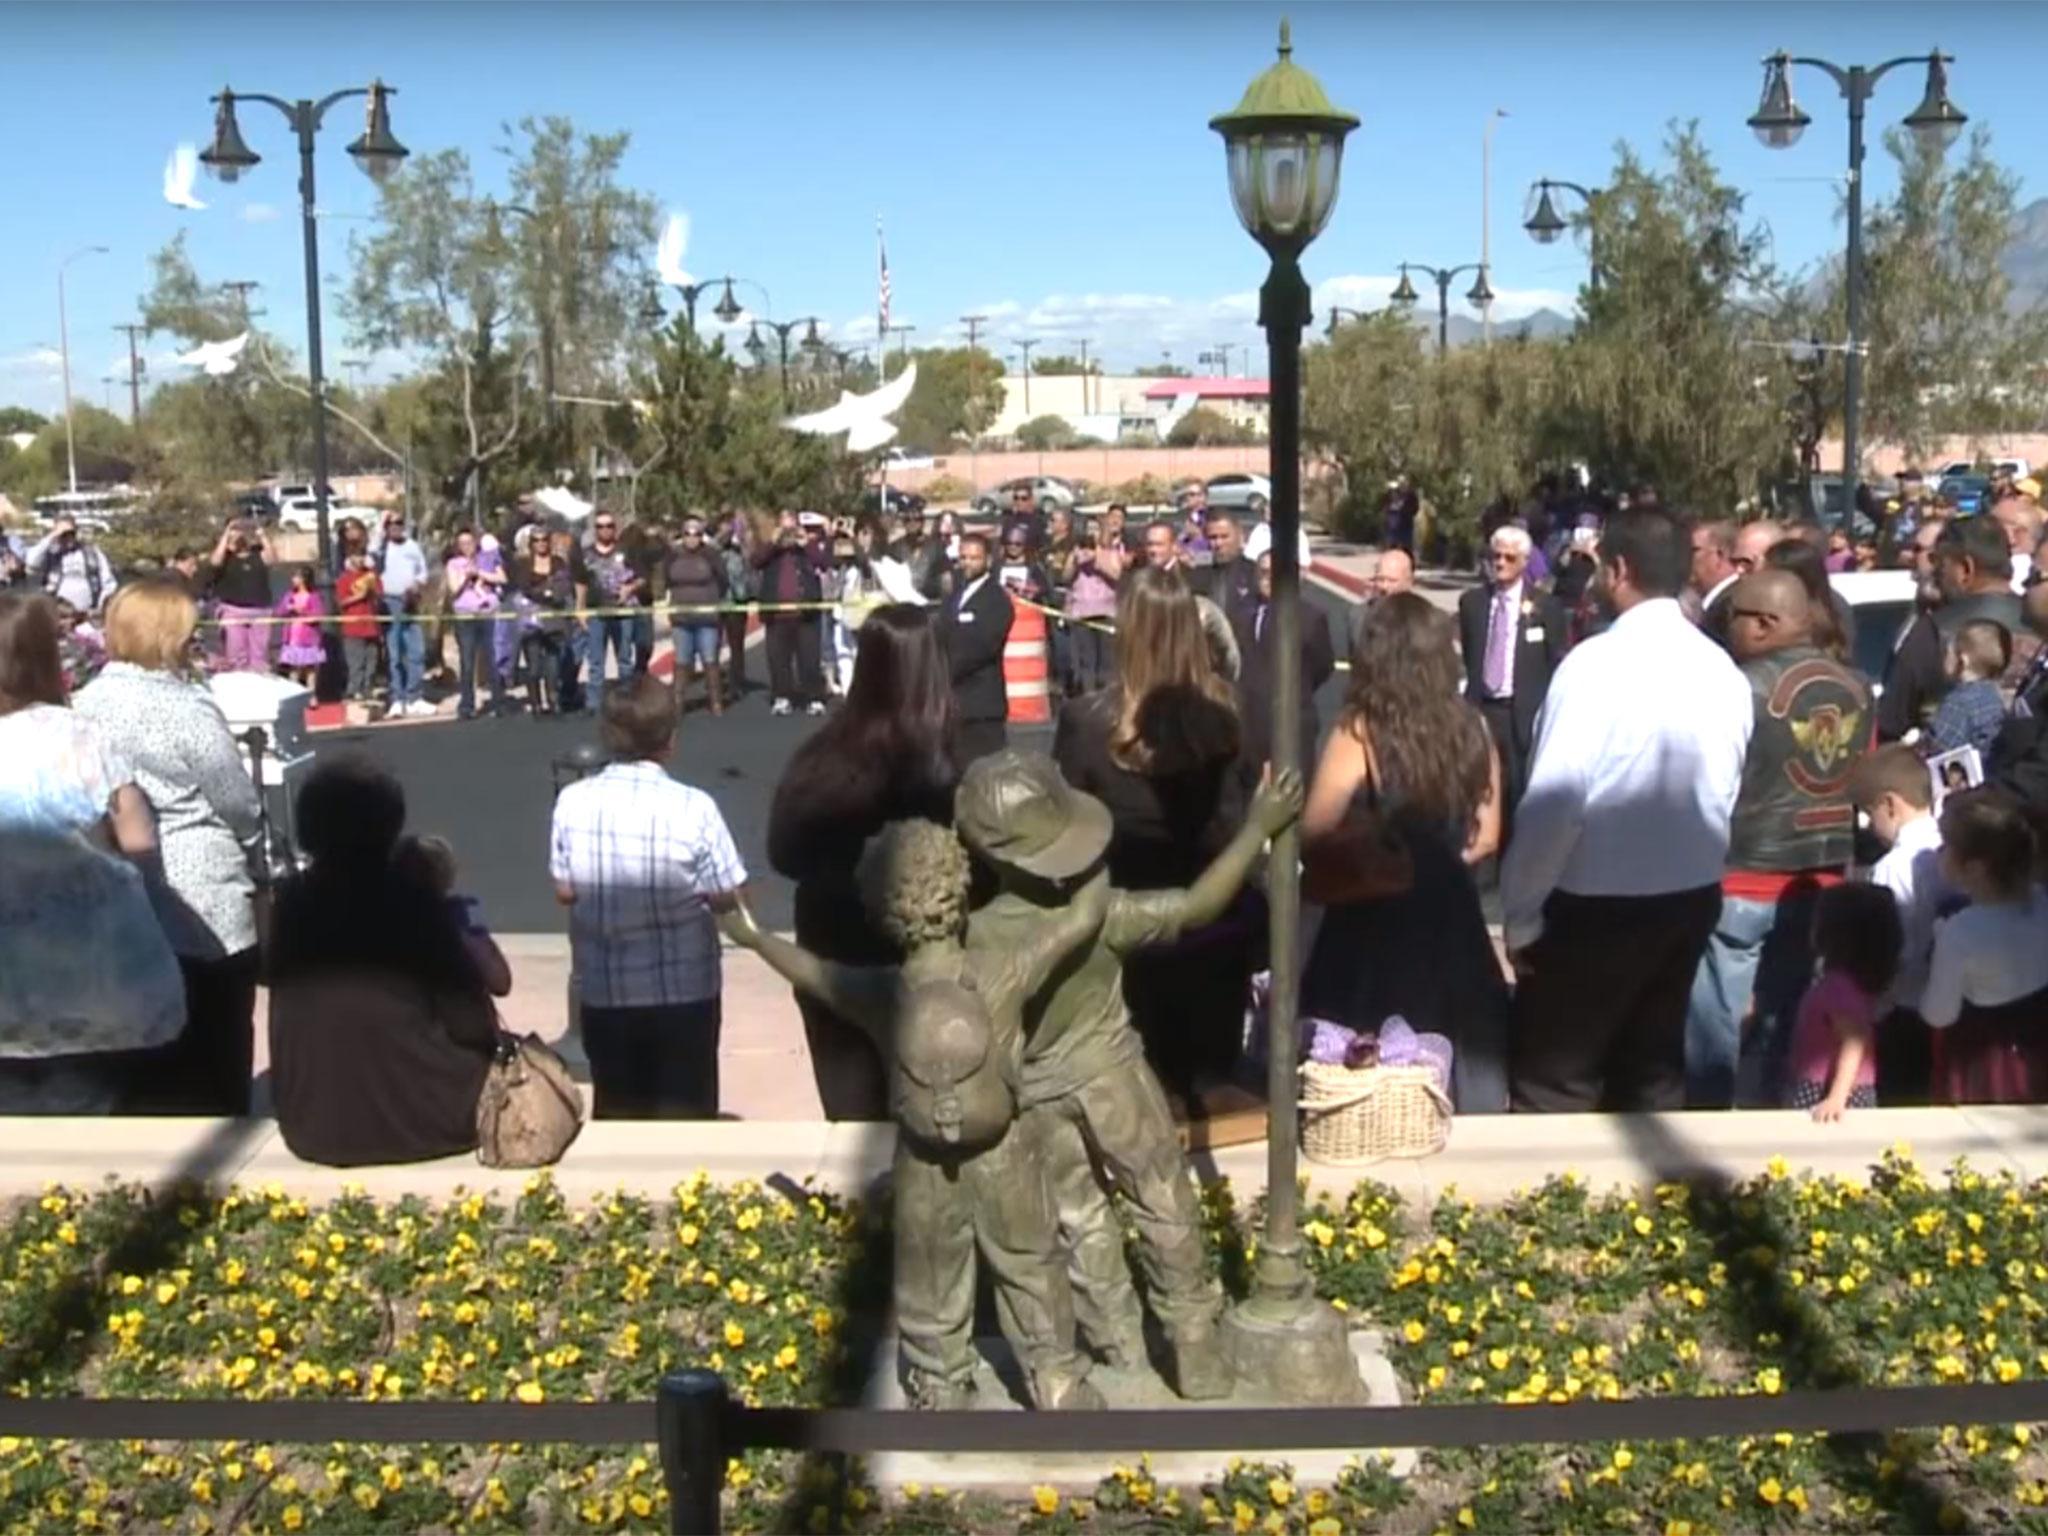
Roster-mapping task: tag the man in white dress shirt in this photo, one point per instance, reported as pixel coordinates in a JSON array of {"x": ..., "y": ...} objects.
[{"x": 1613, "y": 882}]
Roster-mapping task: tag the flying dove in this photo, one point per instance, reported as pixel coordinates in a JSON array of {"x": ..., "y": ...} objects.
[
  {"x": 180, "y": 172},
  {"x": 216, "y": 359},
  {"x": 863, "y": 418},
  {"x": 668, "y": 256}
]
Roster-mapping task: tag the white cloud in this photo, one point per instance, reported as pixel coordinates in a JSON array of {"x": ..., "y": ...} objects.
[
  {"x": 259, "y": 213},
  {"x": 34, "y": 360}
]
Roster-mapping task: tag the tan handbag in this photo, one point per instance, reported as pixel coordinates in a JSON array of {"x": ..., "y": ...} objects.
[{"x": 530, "y": 1110}]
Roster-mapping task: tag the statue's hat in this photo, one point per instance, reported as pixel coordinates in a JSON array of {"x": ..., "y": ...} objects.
[{"x": 1015, "y": 810}]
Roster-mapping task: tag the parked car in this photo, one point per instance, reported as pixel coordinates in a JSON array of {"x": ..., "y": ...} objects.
[
  {"x": 1881, "y": 603},
  {"x": 301, "y": 514},
  {"x": 900, "y": 501},
  {"x": 1966, "y": 493},
  {"x": 1240, "y": 493},
  {"x": 2017, "y": 468},
  {"x": 1049, "y": 494}
]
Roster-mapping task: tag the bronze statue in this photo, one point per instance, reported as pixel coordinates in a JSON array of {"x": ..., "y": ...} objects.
[
  {"x": 1086, "y": 1092},
  {"x": 967, "y": 1175}
]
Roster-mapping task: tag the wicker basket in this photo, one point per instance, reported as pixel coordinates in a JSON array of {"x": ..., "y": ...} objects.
[{"x": 1356, "y": 1115}]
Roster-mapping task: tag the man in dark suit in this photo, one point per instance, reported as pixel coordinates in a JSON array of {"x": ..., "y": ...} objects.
[
  {"x": 1253, "y": 624},
  {"x": 973, "y": 627},
  {"x": 1513, "y": 637},
  {"x": 1229, "y": 581}
]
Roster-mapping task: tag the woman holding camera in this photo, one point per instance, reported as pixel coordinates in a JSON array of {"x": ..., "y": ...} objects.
[{"x": 241, "y": 595}]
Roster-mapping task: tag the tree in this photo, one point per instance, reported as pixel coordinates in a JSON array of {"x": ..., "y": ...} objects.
[
  {"x": 19, "y": 418},
  {"x": 578, "y": 261},
  {"x": 1162, "y": 371},
  {"x": 1045, "y": 433},
  {"x": 1947, "y": 349},
  {"x": 105, "y": 447},
  {"x": 435, "y": 278},
  {"x": 1662, "y": 382},
  {"x": 1361, "y": 392},
  {"x": 1060, "y": 363},
  {"x": 702, "y": 435},
  {"x": 957, "y": 396},
  {"x": 1205, "y": 427}
]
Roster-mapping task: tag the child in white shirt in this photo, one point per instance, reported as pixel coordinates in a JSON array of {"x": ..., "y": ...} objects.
[
  {"x": 1892, "y": 789},
  {"x": 1987, "y": 983}
]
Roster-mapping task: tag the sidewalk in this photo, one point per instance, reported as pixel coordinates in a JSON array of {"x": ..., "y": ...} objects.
[{"x": 1349, "y": 568}]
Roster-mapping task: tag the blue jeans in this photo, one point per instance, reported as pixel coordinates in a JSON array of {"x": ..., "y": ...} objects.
[
  {"x": 643, "y": 642},
  {"x": 695, "y": 641},
  {"x": 1761, "y": 953},
  {"x": 474, "y": 642},
  {"x": 615, "y": 634},
  {"x": 408, "y": 648}
]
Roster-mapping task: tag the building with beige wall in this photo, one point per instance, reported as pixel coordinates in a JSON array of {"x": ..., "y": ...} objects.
[{"x": 1124, "y": 408}]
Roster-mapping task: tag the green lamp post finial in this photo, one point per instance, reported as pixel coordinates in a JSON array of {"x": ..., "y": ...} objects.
[{"x": 1286, "y": 39}]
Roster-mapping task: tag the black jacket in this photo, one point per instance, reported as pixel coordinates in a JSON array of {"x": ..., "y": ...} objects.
[
  {"x": 1233, "y": 587},
  {"x": 1256, "y": 653},
  {"x": 973, "y": 635},
  {"x": 773, "y": 562},
  {"x": 1540, "y": 643}
]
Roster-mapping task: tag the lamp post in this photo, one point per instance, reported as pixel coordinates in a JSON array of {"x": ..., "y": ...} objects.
[
  {"x": 1340, "y": 312},
  {"x": 1479, "y": 295},
  {"x": 812, "y": 343},
  {"x": 378, "y": 155},
  {"x": 64, "y": 352},
  {"x": 727, "y": 308},
  {"x": 1546, "y": 224},
  {"x": 1283, "y": 145},
  {"x": 1778, "y": 122}
]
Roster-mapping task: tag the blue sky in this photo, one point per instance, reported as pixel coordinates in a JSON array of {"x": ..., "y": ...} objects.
[{"x": 1046, "y": 163}]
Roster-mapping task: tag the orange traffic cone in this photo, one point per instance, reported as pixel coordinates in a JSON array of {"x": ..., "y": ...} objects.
[{"x": 1027, "y": 665}]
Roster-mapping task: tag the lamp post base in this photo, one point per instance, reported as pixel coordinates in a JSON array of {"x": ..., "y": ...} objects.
[{"x": 1293, "y": 1350}]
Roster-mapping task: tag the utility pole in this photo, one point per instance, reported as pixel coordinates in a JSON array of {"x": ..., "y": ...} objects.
[
  {"x": 1025, "y": 345},
  {"x": 902, "y": 330},
  {"x": 241, "y": 289},
  {"x": 134, "y": 330},
  {"x": 1085, "y": 410},
  {"x": 974, "y": 323}
]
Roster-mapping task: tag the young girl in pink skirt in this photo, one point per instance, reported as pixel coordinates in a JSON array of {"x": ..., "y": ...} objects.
[{"x": 302, "y": 652}]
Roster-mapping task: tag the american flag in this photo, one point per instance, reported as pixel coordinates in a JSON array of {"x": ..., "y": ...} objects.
[{"x": 882, "y": 317}]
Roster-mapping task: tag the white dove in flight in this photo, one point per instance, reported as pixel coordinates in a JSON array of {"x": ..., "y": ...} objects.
[
  {"x": 181, "y": 171},
  {"x": 668, "y": 256},
  {"x": 863, "y": 418},
  {"x": 215, "y": 358}
]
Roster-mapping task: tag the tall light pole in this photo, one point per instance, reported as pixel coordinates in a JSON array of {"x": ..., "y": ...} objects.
[
  {"x": 1024, "y": 345},
  {"x": 1778, "y": 122},
  {"x": 1546, "y": 224},
  {"x": 1082, "y": 343},
  {"x": 1283, "y": 146},
  {"x": 1479, "y": 295},
  {"x": 378, "y": 155},
  {"x": 1486, "y": 218},
  {"x": 64, "y": 351}
]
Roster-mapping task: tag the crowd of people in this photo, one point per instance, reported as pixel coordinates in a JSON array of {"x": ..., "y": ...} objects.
[{"x": 1728, "y": 871}]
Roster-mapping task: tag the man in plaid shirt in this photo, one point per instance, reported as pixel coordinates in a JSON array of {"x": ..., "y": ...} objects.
[{"x": 643, "y": 863}]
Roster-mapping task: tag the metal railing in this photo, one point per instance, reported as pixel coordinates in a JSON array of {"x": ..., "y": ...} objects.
[{"x": 697, "y": 1425}]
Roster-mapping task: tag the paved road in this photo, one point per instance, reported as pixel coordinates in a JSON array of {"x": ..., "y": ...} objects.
[{"x": 487, "y": 786}]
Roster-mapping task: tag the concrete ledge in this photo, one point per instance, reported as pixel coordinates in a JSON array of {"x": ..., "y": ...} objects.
[{"x": 1489, "y": 1157}]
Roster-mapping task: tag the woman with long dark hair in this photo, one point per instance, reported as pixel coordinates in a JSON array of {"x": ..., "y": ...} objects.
[
  {"x": 1159, "y": 747},
  {"x": 886, "y": 755},
  {"x": 1406, "y": 799}
]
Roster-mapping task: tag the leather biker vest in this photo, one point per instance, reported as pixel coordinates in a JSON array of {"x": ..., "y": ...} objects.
[{"x": 1813, "y": 723}]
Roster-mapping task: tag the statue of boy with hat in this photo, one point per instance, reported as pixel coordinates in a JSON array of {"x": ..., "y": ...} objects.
[
  {"x": 967, "y": 1176},
  {"x": 1086, "y": 1090}
]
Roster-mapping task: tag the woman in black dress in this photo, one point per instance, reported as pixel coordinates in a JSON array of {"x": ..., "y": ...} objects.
[
  {"x": 1409, "y": 767},
  {"x": 1159, "y": 747},
  {"x": 887, "y": 755}
]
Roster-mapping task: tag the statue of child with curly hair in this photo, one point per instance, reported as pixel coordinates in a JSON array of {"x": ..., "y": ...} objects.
[{"x": 967, "y": 1177}]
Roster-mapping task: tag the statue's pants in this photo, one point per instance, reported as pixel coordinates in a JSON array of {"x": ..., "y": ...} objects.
[
  {"x": 1117, "y": 1130},
  {"x": 996, "y": 1202}
]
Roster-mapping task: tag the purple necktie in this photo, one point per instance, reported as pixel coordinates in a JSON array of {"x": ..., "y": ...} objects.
[{"x": 1500, "y": 631}]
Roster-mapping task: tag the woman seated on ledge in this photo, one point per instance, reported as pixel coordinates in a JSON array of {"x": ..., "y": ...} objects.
[{"x": 381, "y": 1028}]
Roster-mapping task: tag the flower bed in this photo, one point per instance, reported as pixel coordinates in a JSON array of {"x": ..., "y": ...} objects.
[{"x": 1559, "y": 1294}]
